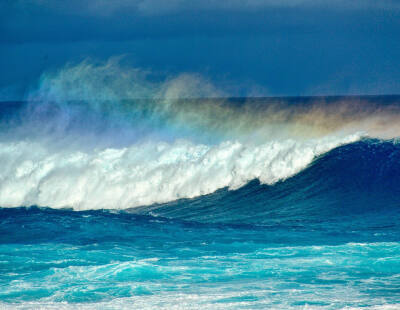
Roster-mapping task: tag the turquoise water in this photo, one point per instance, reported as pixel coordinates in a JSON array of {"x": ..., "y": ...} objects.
[{"x": 99, "y": 259}]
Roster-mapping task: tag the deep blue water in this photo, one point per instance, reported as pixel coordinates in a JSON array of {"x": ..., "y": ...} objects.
[{"x": 327, "y": 237}]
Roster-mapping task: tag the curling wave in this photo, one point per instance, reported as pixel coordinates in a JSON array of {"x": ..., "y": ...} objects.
[
  {"x": 146, "y": 173},
  {"x": 357, "y": 180}
]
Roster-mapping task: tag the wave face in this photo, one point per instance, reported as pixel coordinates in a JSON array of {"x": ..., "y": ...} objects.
[
  {"x": 360, "y": 178},
  {"x": 278, "y": 203}
]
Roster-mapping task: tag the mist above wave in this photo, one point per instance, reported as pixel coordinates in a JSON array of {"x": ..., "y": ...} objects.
[{"x": 108, "y": 98}]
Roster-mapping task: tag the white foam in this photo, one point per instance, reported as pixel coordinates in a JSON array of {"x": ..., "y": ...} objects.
[
  {"x": 183, "y": 301},
  {"x": 33, "y": 173}
]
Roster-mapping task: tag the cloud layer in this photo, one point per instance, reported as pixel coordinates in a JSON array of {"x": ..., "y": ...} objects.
[
  {"x": 155, "y": 7},
  {"x": 288, "y": 47}
]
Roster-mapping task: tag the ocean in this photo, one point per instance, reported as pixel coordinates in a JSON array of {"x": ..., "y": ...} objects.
[{"x": 217, "y": 203}]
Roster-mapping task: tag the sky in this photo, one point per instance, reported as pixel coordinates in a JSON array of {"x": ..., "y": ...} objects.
[{"x": 245, "y": 47}]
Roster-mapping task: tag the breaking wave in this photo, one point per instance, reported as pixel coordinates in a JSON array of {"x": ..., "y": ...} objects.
[
  {"x": 94, "y": 136},
  {"x": 146, "y": 173}
]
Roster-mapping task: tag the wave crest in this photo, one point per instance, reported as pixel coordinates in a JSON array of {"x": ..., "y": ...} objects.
[{"x": 146, "y": 173}]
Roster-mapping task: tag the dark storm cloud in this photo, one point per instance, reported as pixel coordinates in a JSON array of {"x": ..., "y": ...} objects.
[
  {"x": 162, "y": 7},
  {"x": 46, "y": 20},
  {"x": 283, "y": 47}
]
